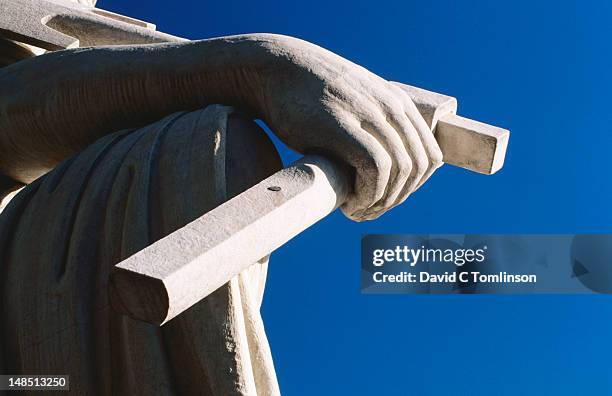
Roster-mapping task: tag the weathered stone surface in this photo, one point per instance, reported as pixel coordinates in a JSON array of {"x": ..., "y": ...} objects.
[
  {"x": 170, "y": 276},
  {"x": 431, "y": 105},
  {"x": 61, "y": 235},
  {"x": 471, "y": 144},
  {"x": 61, "y": 24},
  {"x": 468, "y": 144}
]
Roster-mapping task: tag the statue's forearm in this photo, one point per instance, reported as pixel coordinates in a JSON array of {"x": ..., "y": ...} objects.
[
  {"x": 83, "y": 94},
  {"x": 316, "y": 102}
]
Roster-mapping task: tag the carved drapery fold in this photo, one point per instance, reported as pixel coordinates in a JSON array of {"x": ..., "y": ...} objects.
[{"x": 61, "y": 234}]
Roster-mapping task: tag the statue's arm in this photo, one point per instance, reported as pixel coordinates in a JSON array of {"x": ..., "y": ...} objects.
[{"x": 54, "y": 105}]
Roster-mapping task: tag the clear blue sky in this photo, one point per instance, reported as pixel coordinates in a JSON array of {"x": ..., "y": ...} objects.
[{"x": 539, "y": 68}]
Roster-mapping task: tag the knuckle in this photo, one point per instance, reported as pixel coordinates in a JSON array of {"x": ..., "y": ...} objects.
[
  {"x": 373, "y": 177},
  {"x": 421, "y": 165},
  {"x": 382, "y": 163},
  {"x": 392, "y": 106},
  {"x": 404, "y": 167},
  {"x": 436, "y": 158}
]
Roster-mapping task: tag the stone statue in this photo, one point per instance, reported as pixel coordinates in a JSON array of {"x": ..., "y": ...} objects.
[{"x": 120, "y": 145}]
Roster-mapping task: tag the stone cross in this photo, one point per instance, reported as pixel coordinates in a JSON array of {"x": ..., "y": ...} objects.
[{"x": 174, "y": 273}]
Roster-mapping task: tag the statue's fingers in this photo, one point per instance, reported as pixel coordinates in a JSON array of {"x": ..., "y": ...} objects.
[
  {"x": 427, "y": 138},
  {"x": 401, "y": 163},
  {"x": 416, "y": 150},
  {"x": 372, "y": 164}
]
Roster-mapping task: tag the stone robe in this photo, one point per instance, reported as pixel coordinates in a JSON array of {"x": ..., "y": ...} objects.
[{"x": 61, "y": 235}]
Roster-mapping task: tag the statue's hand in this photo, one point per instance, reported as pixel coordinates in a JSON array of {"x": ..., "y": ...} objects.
[{"x": 317, "y": 101}]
